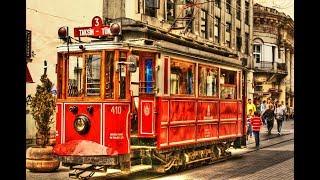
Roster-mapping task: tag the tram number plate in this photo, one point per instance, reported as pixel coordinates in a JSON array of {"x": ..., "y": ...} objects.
[{"x": 116, "y": 109}]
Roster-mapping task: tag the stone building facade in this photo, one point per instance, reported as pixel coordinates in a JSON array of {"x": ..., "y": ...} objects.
[
  {"x": 224, "y": 25},
  {"x": 273, "y": 55}
]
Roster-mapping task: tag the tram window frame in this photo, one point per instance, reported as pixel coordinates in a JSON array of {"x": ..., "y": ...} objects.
[
  {"x": 122, "y": 83},
  {"x": 226, "y": 85},
  {"x": 142, "y": 79},
  {"x": 86, "y": 65},
  {"x": 81, "y": 79},
  {"x": 208, "y": 68},
  {"x": 178, "y": 90},
  {"x": 112, "y": 67}
]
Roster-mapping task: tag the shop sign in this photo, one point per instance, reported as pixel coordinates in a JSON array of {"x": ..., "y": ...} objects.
[{"x": 97, "y": 29}]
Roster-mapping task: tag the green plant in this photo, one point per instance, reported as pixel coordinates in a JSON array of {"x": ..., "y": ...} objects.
[{"x": 43, "y": 106}]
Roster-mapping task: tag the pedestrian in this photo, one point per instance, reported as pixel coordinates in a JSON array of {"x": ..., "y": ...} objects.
[
  {"x": 249, "y": 127},
  {"x": 256, "y": 123},
  {"x": 251, "y": 106},
  {"x": 279, "y": 116},
  {"x": 258, "y": 106},
  {"x": 268, "y": 115},
  {"x": 285, "y": 108},
  {"x": 263, "y": 107}
]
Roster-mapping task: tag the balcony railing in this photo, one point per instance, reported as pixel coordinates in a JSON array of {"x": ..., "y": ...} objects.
[
  {"x": 272, "y": 67},
  {"x": 264, "y": 65}
]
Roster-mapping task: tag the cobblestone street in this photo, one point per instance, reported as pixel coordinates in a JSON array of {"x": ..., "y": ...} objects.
[{"x": 273, "y": 161}]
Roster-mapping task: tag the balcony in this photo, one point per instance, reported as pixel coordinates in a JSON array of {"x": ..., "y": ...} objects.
[
  {"x": 282, "y": 68},
  {"x": 264, "y": 66},
  {"x": 271, "y": 67},
  {"x": 275, "y": 90}
]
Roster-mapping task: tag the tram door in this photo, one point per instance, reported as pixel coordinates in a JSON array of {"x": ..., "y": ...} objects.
[{"x": 146, "y": 115}]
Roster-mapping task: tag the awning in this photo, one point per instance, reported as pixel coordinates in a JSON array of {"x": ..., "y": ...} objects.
[{"x": 28, "y": 76}]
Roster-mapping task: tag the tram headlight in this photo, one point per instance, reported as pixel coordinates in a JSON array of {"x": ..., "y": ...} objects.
[{"x": 81, "y": 124}]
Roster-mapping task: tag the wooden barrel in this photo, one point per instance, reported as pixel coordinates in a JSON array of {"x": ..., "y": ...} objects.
[{"x": 40, "y": 159}]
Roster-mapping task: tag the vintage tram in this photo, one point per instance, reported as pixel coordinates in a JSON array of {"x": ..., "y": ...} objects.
[{"x": 125, "y": 103}]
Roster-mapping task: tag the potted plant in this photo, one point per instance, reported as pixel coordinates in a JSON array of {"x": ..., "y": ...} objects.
[{"x": 42, "y": 105}]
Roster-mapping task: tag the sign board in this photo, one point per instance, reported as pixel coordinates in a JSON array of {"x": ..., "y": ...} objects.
[
  {"x": 96, "y": 30},
  {"x": 28, "y": 44}
]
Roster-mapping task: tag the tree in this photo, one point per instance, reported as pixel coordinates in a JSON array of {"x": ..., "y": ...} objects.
[{"x": 43, "y": 105}]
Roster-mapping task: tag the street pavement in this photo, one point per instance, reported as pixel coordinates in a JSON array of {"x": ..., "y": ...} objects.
[{"x": 274, "y": 160}]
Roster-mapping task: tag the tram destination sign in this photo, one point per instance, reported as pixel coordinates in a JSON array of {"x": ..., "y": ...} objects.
[{"x": 96, "y": 30}]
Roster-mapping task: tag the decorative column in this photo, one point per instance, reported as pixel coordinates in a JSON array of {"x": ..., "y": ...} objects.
[
  {"x": 288, "y": 67},
  {"x": 292, "y": 78},
  {"x": 250, "y": 89}
]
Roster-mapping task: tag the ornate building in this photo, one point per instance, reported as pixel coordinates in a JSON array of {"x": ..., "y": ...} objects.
[{"x": 273, "y": 55}]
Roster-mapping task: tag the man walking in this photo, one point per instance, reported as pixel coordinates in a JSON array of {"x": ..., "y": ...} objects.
[
  {"x": 263, "y": 107},
  {"x": 279, "y": 116},
  {"x": 268, "y": 115},
  {"x": 251, "y": 106}
]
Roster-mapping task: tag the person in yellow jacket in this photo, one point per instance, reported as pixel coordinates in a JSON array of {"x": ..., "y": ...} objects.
[{"x": 251, "y": 106}]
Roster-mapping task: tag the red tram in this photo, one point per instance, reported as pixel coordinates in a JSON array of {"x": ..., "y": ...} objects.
[{"x": 126, "y": 103}]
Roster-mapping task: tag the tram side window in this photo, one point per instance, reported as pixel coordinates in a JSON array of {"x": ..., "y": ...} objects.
[
  {"x": 228, "y": 84},
  {"x": 208, "y": 81},
  {"x": 182, "y": 78},
  {"x": 93, "y": 75},
  {"x": 109, "y": 74},
  {"x": 75, "y": 70}
]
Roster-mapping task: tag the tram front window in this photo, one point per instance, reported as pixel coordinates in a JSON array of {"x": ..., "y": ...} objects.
[
  {"x": 93, "y": 75},
  {"x": 75, "y": 71}
]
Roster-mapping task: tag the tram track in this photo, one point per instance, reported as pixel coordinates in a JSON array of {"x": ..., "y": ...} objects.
[
  {"x": 153, "y": 175},
  {"x": 249, "y": 150}
]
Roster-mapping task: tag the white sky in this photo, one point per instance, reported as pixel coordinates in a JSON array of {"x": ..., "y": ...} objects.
[{"x": 286, "y": 6}]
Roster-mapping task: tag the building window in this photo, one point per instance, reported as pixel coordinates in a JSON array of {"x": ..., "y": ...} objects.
[
  {"x": 228, "y": 6},
  {"x": 217, "y": 29},
  {"x": 247, "y": 12},
  {"x": 257, "y": 53},
  {"x": 217, "y": 3},
  {"x": 239, "y": 9},
  {"x": 247, "y": 44},
  {"x": 228, "y": 43},
  {"x": 239, "y": 39},
  {"x": 189, "y": 16},
  {"x": 204, "y": 29},
  {"x": 182, "y": 78},
  {"x": 208, "y": 81},
  {"x": 170, "y": 10},
  {"x": 228, "y": 27},
  {"x": 273, "y": 53},
  {"x": 228, "y": 84},
  {"x": 228, "y": 34},
  {"x": 151, "y": 7}
]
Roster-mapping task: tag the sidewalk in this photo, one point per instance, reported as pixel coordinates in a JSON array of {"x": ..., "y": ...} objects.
[
  {"x": 287, "y": 133},
  {"x": 287, "y": 128}
]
